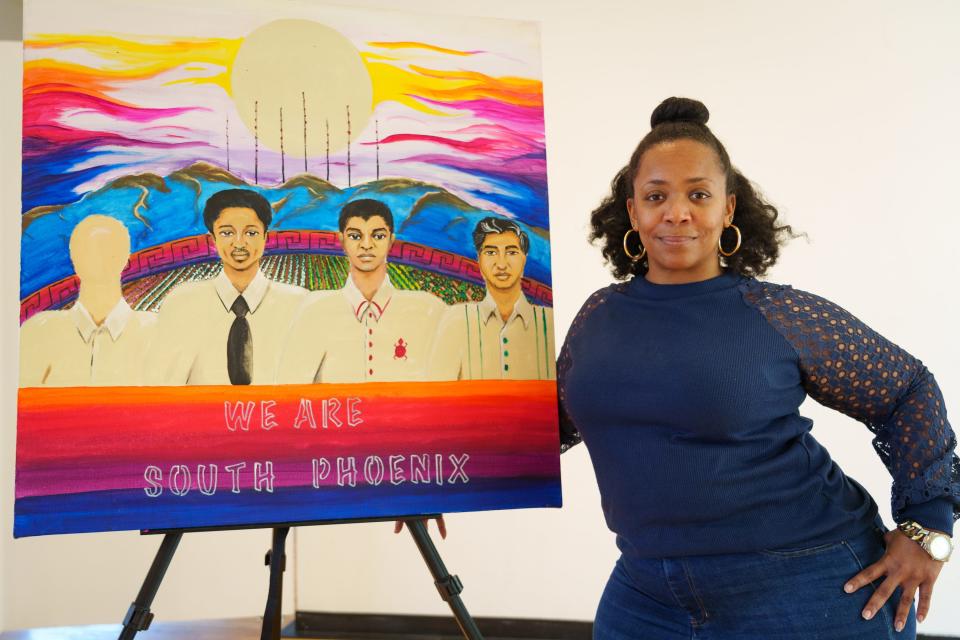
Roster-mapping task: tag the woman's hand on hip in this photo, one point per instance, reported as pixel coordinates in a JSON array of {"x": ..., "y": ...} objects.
[{"x": 906, "y": 565}]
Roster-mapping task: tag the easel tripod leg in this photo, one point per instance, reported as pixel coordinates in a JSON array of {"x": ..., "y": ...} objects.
[
  {"x": 277, "y": 559},
  {"x": 138, "y": 615},
  {"x": 449, "y": 586}
]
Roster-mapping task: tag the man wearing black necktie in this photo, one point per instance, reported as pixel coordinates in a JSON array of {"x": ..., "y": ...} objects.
[{"x": 229, "y": 329}]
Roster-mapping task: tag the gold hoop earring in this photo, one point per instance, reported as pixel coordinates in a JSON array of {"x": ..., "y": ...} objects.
[
  {"x": 735, "y": 249},
  {"x": 643, "y": 249}
]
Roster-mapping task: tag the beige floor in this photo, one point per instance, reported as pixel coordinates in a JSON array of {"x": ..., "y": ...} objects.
[{"x": 239, "y": 629}]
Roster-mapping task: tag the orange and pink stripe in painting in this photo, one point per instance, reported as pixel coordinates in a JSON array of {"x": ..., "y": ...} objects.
[{"x": 138, "y": 457}]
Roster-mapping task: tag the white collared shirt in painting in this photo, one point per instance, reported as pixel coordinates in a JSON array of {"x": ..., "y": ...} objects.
[
  {"x": 340, "y": 336},
  {"x": 195, "y": 321},
  {"x": 68, "y": 349},
  {"x": 473, "y": 343}
]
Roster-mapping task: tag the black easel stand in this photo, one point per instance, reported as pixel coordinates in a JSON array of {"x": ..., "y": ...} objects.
[
  {"x": 449, "y": 586},
  {"x": 277, "y": 560},
  {"x": 138, "y": 617}
]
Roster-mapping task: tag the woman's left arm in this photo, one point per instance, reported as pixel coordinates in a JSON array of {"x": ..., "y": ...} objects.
[{"x": 849, "y": 367}]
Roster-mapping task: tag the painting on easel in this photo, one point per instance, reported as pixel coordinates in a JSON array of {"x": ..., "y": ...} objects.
[{"x": 280, "y": 268}]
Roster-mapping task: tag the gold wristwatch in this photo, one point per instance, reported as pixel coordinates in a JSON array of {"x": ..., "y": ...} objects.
[{"x": 938, "y": 545}]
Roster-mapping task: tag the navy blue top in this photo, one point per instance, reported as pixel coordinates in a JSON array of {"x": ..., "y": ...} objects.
[{"x": 687, "y": 397}]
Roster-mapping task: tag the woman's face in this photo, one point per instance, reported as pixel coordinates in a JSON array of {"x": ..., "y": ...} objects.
[{"x": 680, "y": 206}]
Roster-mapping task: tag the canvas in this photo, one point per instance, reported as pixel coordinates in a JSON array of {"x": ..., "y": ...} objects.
[{"x": 280, "y": 268}]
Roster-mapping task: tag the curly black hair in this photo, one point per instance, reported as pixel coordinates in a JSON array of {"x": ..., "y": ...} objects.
[
  {"x": 686, "y": 119},
  {"x": 244, "y": 198}
]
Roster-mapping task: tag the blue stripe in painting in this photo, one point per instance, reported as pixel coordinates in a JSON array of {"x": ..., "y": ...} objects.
[
  {"x": 131, "y": 509},
  {"x": 53, "y": 179}
]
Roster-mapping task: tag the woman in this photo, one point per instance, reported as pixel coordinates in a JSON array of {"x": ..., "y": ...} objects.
[{"x": 685, "y": 382}]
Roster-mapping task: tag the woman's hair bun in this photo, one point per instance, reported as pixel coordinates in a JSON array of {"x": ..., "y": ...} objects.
[{"x": 679, "y": 110}]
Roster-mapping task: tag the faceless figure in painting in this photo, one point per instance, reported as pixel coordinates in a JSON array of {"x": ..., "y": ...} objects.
[{"x": 100, "y": 340}]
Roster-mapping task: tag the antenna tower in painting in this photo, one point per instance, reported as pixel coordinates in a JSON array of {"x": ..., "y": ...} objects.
[
  {"x": 349, "y": 180},
  {"x": 256, "y": 144},
  {"x": 228, "y": 141},
  {"x": 304, "y": 96},
  {"x": 283, "y": 160},
  {"x": 376, "y": 133},
  {"x": 327, "y": 122}
]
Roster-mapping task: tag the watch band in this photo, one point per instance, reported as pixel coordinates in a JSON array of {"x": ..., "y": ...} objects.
[
  {"x": 938, "y": 546},
  {"x": 913, "y": 530}
]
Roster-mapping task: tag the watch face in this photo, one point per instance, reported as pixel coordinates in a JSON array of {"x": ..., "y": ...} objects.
[{"x": 939, "y": 547}]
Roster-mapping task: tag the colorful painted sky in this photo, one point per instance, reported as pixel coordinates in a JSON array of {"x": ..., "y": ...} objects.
[{"x": 98, "y": 107}]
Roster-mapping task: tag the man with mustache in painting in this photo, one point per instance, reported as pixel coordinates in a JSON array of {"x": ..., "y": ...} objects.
[
  {"x": 228, "y": 329},
  {"x": 503, "y": 336},
  {"x": 368, "y": 331},
  {"x": 100, "y": 340}
]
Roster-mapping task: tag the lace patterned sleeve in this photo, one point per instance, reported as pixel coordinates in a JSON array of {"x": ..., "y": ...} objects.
[
  {"x": 569, "y": 434},
  {"x": 849, "y": 367}
]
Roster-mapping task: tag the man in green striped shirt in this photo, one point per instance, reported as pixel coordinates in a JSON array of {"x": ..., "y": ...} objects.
[{"x": 504, "y": 336}]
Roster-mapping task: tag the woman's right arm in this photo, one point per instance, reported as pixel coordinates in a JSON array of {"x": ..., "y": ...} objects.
[{"x": 569, "y": 433}]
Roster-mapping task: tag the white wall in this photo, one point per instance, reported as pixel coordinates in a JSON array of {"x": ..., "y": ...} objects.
[
  {"x": 10, "y": 109},
  {"x": 844, "y": 112}
]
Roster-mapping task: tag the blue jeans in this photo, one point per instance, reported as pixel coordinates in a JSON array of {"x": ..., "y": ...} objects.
[{"x": 767, "y": 595}]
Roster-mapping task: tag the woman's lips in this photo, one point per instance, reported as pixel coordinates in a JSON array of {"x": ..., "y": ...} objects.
[{"x": 676, "y": 240}]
